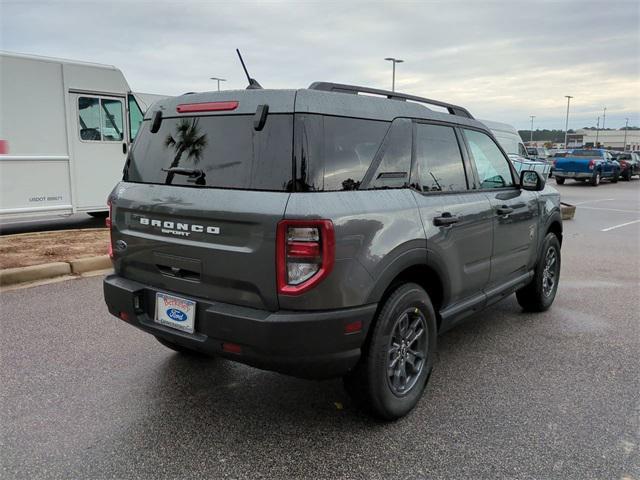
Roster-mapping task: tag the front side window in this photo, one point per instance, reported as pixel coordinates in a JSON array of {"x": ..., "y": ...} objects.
[
  {"x": 89, "y": 118},
  {"x": 135, "y": 117},
  {"x": 439, "y": 161},
  {"x": 100, "y": 119},
  {"x": 493, "y": 167},
  {"x": 112, "y": 121}
]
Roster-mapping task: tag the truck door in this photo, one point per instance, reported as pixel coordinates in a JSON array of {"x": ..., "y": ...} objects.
[{"x": 100, "y": 143}]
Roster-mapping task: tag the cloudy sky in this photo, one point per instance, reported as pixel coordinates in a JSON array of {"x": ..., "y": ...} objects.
[{"x": 503, "y": 60}]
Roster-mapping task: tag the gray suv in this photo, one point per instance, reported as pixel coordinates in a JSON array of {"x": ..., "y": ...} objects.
[{"x": 323, "y": 232}]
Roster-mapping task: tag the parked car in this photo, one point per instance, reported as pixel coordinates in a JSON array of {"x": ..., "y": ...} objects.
[
  {"x": 322, "y": 233},
  {"x": 593, "y": 165},
  {"x": 629, "y": 164},
  {"x": 510, "y": 141},
  {"x": 541, "y": 153}
]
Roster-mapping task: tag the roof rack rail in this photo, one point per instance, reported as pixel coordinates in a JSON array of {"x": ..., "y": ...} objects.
[{"x": 353, "y": 89}]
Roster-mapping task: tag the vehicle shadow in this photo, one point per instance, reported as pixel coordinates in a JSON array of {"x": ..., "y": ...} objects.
[{"x": 220, "y": 415}]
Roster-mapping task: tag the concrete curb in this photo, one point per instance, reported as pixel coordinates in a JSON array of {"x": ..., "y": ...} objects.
[
  {"x": 83, "y": 265},
  {"x": 13, "y": 276}
]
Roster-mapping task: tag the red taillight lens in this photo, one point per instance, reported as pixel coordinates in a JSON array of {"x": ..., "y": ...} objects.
[
  {"x": 108, "y": 223},
  {"x": 305, "y": 253},
  {"x": 206, "y": 107},
  {"x": 592, "y": 164}
]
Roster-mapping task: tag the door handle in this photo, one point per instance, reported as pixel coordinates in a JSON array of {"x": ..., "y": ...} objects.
[
  {"x": 445, "y": 220},
  {"x": 504, "y": 210},
  {"x": 124, "y": 147}
]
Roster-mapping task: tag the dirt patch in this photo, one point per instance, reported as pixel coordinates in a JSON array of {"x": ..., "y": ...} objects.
[{"x": 45, "y": 247}]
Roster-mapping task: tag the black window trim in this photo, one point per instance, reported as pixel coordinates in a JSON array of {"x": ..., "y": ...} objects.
[
  {"x": 514, "y": 173},
  {"x": 415, "y": 177}
]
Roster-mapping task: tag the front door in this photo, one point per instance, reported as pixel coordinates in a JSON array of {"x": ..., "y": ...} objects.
[
  {"x": 99, "y": 147},
  {"x": 515, "y": 211}
]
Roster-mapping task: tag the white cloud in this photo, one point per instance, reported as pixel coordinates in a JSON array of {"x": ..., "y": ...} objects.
[{"x": 502, "y": 60}]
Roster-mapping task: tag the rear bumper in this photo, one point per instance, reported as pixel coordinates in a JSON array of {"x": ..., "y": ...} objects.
[{"x": 310, "y": 344}]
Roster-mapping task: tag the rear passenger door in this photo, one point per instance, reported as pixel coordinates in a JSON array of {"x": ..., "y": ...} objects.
[
  {"x": 457, "y": 220},
  {"x": 515, "y": 211}
]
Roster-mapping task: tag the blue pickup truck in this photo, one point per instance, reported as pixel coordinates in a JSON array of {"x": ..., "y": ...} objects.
[{"x": 591, "y": 165}]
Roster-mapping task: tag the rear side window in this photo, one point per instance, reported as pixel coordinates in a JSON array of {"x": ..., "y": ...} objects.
[
  {"x": 135, "y": 117},
  {"x": 215, "y": 151},
  {"x": 494, "y": 170},
  {"x": 439, "y": 161}
]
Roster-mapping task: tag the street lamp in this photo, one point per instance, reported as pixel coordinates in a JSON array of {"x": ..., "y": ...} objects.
[
  {"x": 626, "y": 126},
  {"x": 531, "y": 136},
  {"x": 597, "y": 131},
  {"x": 393, "y": 78},
  {"x": 604, "y": 116},
  {"x": 218, "y": 80},
  {"x": 566, "y": 125}
]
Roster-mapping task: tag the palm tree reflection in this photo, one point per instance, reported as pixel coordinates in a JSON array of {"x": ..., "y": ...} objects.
[{"x": 187, "y": 139}]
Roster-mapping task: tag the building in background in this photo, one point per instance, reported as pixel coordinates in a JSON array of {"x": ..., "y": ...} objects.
[{"x": 612, "y": 139}]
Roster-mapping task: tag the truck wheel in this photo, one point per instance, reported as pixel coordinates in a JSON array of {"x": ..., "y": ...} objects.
[
  {"x": 595, "y": 180},
  {"x": 180, "y": 348},
  {"x": 616, "y": 176},
  {"x": 540, "y": 293},
  {"x": 627, "y": 175},
  {"x": 560, "y": 180},
  {"x": 397, "y": 360}
]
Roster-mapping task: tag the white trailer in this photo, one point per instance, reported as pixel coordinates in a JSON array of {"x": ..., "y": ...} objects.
[{"x": 65, "y": 130}]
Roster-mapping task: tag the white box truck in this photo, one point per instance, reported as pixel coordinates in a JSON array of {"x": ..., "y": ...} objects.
[{"x": 65, "y": 130}]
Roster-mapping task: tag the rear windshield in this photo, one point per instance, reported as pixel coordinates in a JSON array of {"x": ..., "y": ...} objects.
[
  {"x": 586, "y": 153},
  {"x": 216, "y": 151}
]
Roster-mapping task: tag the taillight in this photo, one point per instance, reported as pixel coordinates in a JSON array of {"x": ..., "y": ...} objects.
[
  {"x": 592, "y": 164},
  {"x": 305, "y": 253},
  {"x": 108, "y": 223}
]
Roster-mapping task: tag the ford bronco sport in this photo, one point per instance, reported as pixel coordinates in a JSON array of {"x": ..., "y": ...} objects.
[{"x": 322, "y": 232}]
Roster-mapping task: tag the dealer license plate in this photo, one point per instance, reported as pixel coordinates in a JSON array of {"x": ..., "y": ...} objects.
[{"x": 175, "y": 312}]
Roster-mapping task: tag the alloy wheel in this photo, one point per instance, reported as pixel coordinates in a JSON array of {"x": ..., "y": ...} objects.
[{"x": 407, "y": 351}]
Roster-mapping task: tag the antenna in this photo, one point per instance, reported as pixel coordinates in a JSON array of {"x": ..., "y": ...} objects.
[{"x": 253, "y": 83}]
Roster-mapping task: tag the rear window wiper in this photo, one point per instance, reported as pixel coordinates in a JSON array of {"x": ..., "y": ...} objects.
[{"x": 195, "y": 174}]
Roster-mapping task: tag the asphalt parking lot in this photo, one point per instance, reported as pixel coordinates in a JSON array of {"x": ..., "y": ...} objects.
[{"x": 513, "y": 395}]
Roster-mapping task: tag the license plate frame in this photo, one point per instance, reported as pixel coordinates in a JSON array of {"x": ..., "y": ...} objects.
[{"x": 175, "y": 312}]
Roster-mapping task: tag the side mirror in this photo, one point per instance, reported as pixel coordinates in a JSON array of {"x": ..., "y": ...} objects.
[{"x": 531, "y": 180}]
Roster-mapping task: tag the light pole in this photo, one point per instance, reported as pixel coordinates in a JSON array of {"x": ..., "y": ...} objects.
[
  {"x": 597, "y": 131},
  {"x": 531, "y": 136},
  {"x": 218, "y": 80},
  {"x": 604, "y": 116},
  {"x": 393, "y": 77},
  {"x": 566, "y": 125},
  {"x": 626, "y": 125}
]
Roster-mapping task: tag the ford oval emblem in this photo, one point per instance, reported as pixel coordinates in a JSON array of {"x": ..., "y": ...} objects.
[{"x": 177, "y": 315}]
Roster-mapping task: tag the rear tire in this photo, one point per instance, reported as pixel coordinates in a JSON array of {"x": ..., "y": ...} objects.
[
  {"x": 627, "y": 175},
  {"x": 616, "y": 176},
  {"x": 540, "y": 293},
  {"x": 595, "y": 179},
  {"x": 397, "y": 360},
  {"x": 560, "y": 180},
  {"x": 179, "y": 348}
]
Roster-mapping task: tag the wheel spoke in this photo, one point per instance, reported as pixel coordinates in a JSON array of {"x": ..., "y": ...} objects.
[{"x": 415, "y": 337}]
